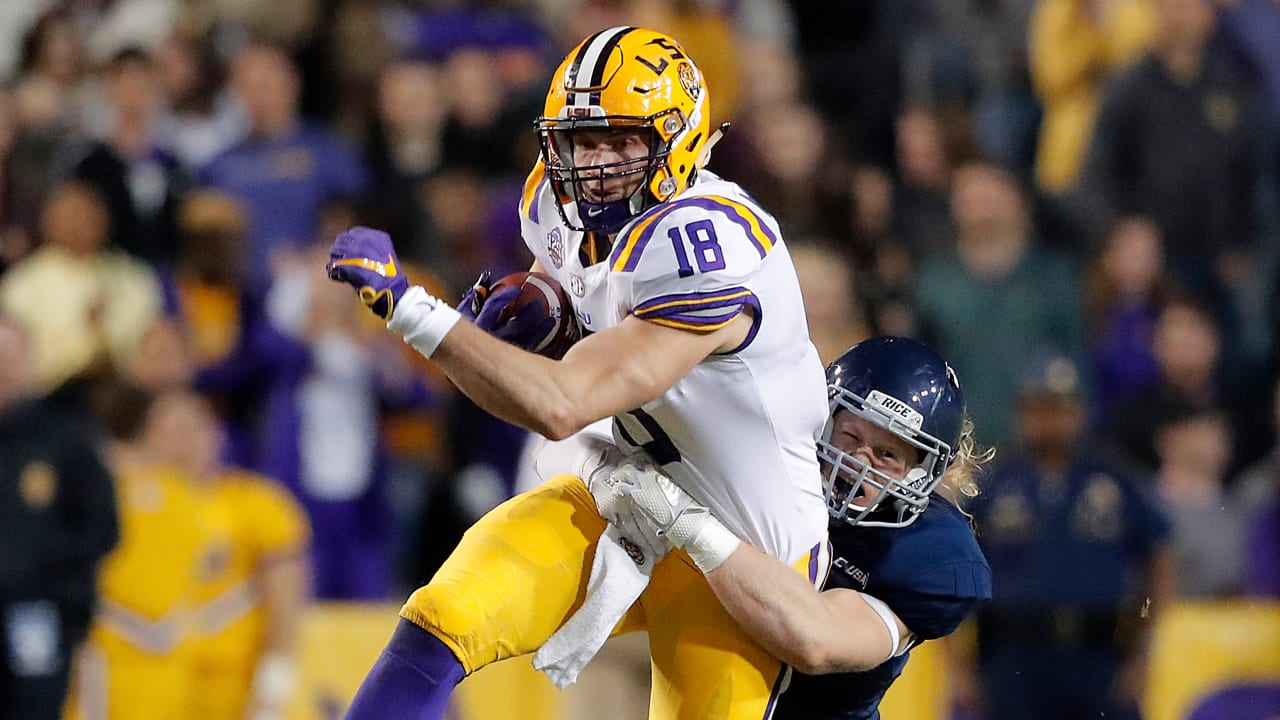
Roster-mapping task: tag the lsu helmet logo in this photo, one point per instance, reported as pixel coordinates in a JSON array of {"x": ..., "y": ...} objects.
[
  {"x": 555, "y": 247},
  {"x": 689, "y": 80}
]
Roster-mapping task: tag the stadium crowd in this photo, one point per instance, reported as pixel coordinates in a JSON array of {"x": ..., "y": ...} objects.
[{"x": 1077, "y": 202}]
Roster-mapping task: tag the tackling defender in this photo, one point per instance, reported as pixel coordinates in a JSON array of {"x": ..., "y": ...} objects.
[
  {"x": 698, "y": 353},
  {"x": 905, "y": 569}
]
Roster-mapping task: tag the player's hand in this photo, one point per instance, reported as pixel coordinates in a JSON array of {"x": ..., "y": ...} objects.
[
  {"x": 365, "y": 259},
  {"x": 638, "y": 486},
  {"x": 670, "y": 512},
  {"x": 475, "y": 299},
  {"x": 617, "y": 508},
  {"x": 487, "y": 309}
]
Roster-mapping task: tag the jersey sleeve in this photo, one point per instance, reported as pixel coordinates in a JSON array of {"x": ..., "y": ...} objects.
[
  {"x": 941, "y": 598},
  {"x": 693, "y": 263}
]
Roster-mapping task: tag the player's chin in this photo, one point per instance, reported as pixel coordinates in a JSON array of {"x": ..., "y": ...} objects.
[{"x": 601, "y": 198}]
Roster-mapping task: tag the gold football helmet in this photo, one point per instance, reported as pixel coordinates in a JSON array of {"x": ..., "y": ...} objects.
[{"x": 623, "y": 80}]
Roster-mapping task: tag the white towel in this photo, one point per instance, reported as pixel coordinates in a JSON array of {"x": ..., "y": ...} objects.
[{"x": 617, "y": 579}]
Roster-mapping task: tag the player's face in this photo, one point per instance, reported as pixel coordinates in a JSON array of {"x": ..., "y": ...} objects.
[
  {"x": 873, "y": 445},
  {"x": 624, "y": 151}
]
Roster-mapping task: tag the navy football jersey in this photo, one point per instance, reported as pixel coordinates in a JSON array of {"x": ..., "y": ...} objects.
[{"x": 931, "y": 574}]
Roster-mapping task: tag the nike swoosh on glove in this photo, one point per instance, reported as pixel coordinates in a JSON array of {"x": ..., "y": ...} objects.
[{"x": 365, "y": 259}]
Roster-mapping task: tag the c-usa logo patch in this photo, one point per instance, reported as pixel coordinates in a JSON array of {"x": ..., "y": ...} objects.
[{"x": 555, "y": 247}]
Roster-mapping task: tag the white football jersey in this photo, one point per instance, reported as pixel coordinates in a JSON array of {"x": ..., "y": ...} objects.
[{"x": 739, "y": 432}]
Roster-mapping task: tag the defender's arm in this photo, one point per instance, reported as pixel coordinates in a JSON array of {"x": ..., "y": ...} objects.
[{"x": 836, "y": 630}]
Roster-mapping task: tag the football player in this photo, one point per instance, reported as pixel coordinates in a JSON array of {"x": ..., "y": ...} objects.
[
  {"x": 697, "y": 352},
  {"x": 906, "y": 569}
]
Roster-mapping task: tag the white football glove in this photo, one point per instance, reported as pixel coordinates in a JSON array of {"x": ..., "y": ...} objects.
[
  {"x": 620, "y": 512},
  {"x": 638, "y": 494}
]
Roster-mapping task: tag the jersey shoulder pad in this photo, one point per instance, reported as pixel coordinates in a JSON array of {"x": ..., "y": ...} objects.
[
  {"x": 531, "y": 196},
  {"x": 691, "y": 263},
  {"x": 697, "y": 235}
]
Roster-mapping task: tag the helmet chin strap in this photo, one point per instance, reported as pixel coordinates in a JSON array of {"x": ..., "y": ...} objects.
[{"x": 705, "y": 156}]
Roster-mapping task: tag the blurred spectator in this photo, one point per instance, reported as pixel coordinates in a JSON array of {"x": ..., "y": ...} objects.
[
  {"x": 487, "y": 130},
  {"x": 14, "y": 236},
  {"x": 87, "y": 305},
  {"x": 48, "y": 99},
  {"x": 202, "y": 120},
  {"x": 334, "y": 373},
  {"x": 1255, "y": 494},
  {"x": 1174, "y": 140},
  {"x": 251, "y": 587},
  {"x": 162, "y": 360},
  {"x": 978, "y": 52},
  {"x": 137, "y": 662},
  {"x": 286, "y": 170},
  {"x": 140, "y": 182},
  {"x": 1208, "y": 533},
  {"x": 836, "y": 318},
  {"x": 111, "y": 27},
  {"x": 59, "y": 520},
  {"x": 1186, "y": 345},
  {"x": 1075, "y": 46},
  {"x": 788, "y": 159},
  {"x": 209, "y": 278},
  {"x": 997, "y": 298},
  {"x": 850, "y": 54},
  {"x": 16, "y": 19},
  {"x": 404, "y": 149},
  {"x": 931, "y": 143},
  {"x": 477, "y": 231},
  {"x": 1078, "y": 549},
  {"x": 1126, "y": 290},
  {"x": 49, "y": 87}
]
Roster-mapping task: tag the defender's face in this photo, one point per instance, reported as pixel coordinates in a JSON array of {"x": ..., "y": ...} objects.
[
  {"x": 874, "y": 446},
  {"x": 624, "y": 152}
]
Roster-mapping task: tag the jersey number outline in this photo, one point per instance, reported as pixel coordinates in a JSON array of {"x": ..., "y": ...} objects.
[{"x": 707, "y": 252}]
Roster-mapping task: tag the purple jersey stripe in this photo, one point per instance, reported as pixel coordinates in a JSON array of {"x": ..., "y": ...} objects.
[
  {"x": 731, "y": 212},
  {"x": 647, "y": 226},
  {"x": 697, "y": 319},
  {"x": 635, "y": 248},
  {"x": 686, "y": 302},
  {"x": 537, "y": 200},
  {"x": 752, "y": 302}
]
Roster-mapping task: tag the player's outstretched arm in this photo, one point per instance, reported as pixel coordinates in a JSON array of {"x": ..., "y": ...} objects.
[
  {"x": 837, "y": 630},
  {"x": 607, "y": 373}
]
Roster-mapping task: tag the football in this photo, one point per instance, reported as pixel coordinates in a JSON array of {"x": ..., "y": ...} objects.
[{"x": 543, "y": 291}]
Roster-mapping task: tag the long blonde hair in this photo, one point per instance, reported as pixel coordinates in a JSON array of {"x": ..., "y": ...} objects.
[{"x": 959, "y": 481}]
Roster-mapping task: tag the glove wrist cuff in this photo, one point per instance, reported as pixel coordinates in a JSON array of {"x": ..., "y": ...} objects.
[
  {"x": 423, "y": 320},
  {"x": 712, "y": 546}
]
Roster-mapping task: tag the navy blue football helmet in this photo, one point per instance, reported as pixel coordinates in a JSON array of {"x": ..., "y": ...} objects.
[{"x": 909, "y": 390}]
